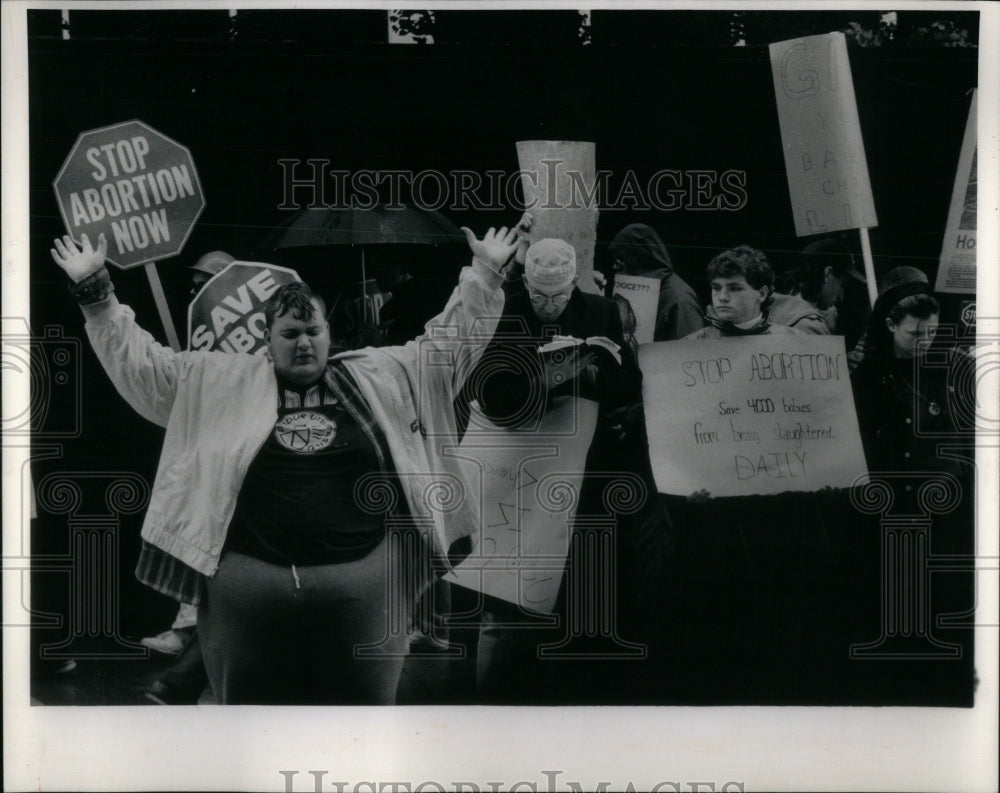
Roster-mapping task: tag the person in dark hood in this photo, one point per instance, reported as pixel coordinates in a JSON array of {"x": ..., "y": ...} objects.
[{"x": 638, "y": 250}]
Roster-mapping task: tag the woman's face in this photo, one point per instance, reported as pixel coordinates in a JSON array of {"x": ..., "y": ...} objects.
[{"x": 911, "y": 333}]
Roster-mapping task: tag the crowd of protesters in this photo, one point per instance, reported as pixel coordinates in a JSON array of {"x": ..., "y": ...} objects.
[{"x": 284, "y": 548}]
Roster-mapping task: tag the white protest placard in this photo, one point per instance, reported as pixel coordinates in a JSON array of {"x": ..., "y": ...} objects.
[
  {"x": 957, "y": 268},
  {"x": 529, "y": 487},
  {"x": 753, "y": 415},
  {"x": 824, "y": 154},
  {"x": 643, "y": 294},
  {"x": 559, "y": 179},
  {"x": 228, "y": 313}
]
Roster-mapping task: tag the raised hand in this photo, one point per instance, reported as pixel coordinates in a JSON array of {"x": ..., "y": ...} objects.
[
  {"x": 79, "y": 261},
  {"x": 497, "y": 248}
]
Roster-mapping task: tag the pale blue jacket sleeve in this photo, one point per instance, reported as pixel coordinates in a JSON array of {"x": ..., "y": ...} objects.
[{"x": 142, "y": 370}]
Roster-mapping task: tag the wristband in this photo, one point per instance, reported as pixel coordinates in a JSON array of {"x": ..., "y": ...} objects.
[{"x": 94, "y": 288}]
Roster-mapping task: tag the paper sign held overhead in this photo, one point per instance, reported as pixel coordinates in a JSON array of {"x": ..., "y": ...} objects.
[
  {"x": 134, "y": 185},
  {"x": 957, "y": 269},
  {"x": 755, "y": 415},
  {"x": 228, "y": 313},
  {"x": 821, "y": 135},
  {"x": 559, "y": 181}
]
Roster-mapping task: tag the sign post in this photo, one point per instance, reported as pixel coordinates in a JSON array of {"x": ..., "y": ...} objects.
[
  {"x": 821, "y": 134},
  {"x": 140, "y": 189}
]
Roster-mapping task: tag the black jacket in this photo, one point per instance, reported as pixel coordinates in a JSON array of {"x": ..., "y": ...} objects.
[{"x": 508, "y": 381}]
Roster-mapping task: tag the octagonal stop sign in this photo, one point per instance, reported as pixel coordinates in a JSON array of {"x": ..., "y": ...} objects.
[{"x": 133, "y": 184}]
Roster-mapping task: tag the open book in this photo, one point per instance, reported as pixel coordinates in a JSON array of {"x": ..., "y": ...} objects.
[{"x": 595, "y": 343}]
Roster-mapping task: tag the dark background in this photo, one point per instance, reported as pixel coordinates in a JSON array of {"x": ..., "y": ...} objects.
[{"x": 653, "y": 90}]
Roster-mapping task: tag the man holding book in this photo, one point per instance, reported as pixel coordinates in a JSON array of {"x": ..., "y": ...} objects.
[
  {"x": 516, "y": 384},
  {"x": 554, "y": 340}
]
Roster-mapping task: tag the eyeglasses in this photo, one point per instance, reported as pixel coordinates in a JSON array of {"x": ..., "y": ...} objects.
[{"x": 539, "y": 299}]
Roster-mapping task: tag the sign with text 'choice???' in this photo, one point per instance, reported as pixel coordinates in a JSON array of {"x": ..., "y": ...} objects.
[
  {"x": 529, "y": 488},
  {"x": 821, "y": 134},
  {"x": 643, "y": 294},
  {"x": 228, "y": 313},
  {"x": 134, "y": 185},
  {"x": 753, "y": 415}
]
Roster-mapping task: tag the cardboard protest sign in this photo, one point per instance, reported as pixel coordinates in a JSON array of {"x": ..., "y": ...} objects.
[
  {"x": 559, "y": 181},
  {"x": 821, "y": 134},
  {"x": 228, "y": 313},
  {"x": 133, "y": 184},
  {"x": 529, "y": 484},
  {"x": 643, "y": 294},
  {"x": 752, "y": 415},
  {"x": 957, "y": 268}
]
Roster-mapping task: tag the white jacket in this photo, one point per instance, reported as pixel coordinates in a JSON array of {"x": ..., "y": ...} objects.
[{"x": 218, "y": 409}]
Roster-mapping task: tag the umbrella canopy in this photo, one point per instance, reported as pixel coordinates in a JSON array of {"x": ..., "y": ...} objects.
[
  {"x": 315, "y": 243},
  {"x": 379, "y": 226}
]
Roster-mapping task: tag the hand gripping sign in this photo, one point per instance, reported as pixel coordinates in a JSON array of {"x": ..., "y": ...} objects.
[{"x": 228, "y": 313}]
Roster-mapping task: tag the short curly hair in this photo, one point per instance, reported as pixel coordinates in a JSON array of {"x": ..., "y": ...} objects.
[
  {"x": 749, "y": 262},
  {"x": 296, "y": 298}
]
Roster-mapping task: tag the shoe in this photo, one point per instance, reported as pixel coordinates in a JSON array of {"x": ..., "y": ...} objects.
[
  {"x": 170, "y": 642},
  {"x": 164, "y": 694},
  {"x": 422, "y": 643}
]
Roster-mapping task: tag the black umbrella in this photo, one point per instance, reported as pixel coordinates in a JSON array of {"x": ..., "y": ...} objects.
[
  {"x": 362, "y": 228},
  {"x": 379, "y": 226}
]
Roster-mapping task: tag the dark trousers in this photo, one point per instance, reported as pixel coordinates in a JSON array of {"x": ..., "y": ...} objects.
[
  {"x": 302, "y": 635},
  {"x": 509, "y": 669},
  {"x": 188, "y": 675}
]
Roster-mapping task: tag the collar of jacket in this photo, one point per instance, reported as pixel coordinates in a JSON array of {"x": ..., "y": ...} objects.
[{"x": 729, "y": 329}]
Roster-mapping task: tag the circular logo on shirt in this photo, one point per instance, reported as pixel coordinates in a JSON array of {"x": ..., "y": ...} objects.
[{"x": 305, "y": 431}]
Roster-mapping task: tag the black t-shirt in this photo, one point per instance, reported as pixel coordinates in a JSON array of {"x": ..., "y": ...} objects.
[{"x": 298, "y": 504}]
